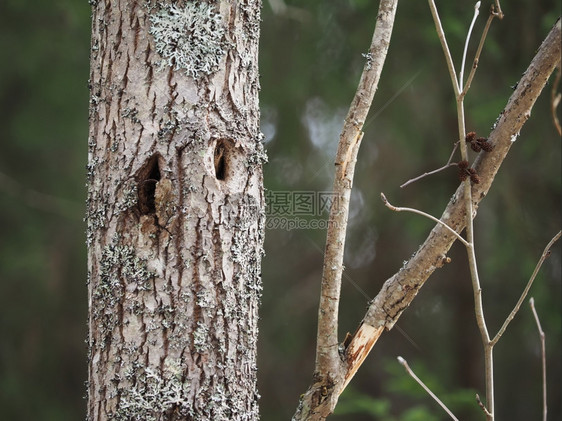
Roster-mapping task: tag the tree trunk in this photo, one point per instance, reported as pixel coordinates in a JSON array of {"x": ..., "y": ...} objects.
[{"x": 175, "y": 210}]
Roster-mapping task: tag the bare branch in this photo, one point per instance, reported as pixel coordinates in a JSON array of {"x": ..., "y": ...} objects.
[
  {"x": 469, "y": 206},
  {"x": 469, "y": 213},
  {"x": 404, "y": 363},
  {"x": 482, "y": 406},
  {"x": 399, "y": 291},
  {"x": 327, "y": 357},
  {"x": 446, "y": 51},
  {"x": 544, "y": 255},
  {"x": 402, "y": 209},
  {"x": 476, "y": 13},
  {"x": 543, "y": 358},
  {"x": 498, "y": 10},
  {"x": 444, "y": 167},
  {"x": 478, "y": 52},
  {"x": 319, "y": 401}
]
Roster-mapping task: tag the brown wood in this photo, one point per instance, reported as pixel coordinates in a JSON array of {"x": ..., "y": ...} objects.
[{"x": 174, "y": 245}]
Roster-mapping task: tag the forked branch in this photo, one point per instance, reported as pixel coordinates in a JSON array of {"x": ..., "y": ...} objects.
[
  {"x": 337, "y": 363},
  {"x": 399, "y": 291},
  {"x": 330, "y": 369}
]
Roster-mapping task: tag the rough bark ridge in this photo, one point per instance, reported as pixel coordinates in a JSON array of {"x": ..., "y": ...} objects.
[{"x": 175, "y": 210}]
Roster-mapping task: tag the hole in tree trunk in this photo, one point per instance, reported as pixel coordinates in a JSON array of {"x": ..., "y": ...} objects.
[
  {"x": 148, "y": 176},
  {"x": 221, "y": 154}
]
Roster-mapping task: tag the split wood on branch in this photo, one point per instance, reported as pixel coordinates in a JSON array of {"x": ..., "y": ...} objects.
[
  {"x": 399, "y": 291},
  {"x": 328, "y": 380}
]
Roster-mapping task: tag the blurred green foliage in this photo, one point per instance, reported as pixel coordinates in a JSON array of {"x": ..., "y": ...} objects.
[
  {"x": 43, "y": 132},
  {"x": 411, "y": 394},
  {"x": 310, "y": 63}
]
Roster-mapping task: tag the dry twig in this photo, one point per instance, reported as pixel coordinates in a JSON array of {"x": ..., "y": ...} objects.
[
  {"x": 460, "y": 93},
  {"x": 476, "y": 13},
  {"x": 509, "y": 318},
  {"x": 402, "y": 209},
  {"x": 404, "y": 363},
  {"x": 543, "y": 357},
  {"x": 476, "y": 60},
  {"x": 444, "y": 167},
  {"x": 399, "y": 291},
  {"x": 330, "y": 371}
]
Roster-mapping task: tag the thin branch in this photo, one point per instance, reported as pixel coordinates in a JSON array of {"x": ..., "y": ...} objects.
[
  {"x": 482, "y": 406},
  {"x": 327, "y": 356},
  {"x": 472, "y": 262},
  {"x": 467, "y": 183},
  {"x": 469, "y": 216},
  {"x": 476, "y": 13},
  {"x": 448, "y": 58},
  {"x": 419, "y": 212},
  {"x": 489, "y": 377},
  {"x": 498, "y": 11},
  {"x": 467, "y": 199},
  {"x": 398, "y": 292},
  {"x": 478, "y": 52},
  {"x": 444, "y": 167},
  {"x": 544, "y": 255},
  {"x": 404, "y": 363},
  {"x": 329, "y": 372},
  {"x": 543, "y": 357}
]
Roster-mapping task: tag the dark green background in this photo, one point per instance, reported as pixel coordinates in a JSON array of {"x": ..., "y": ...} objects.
[{"x": 310, "y": 64}]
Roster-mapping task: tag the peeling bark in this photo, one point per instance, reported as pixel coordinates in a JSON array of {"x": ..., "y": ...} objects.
[{"x": 174, "y": 235}]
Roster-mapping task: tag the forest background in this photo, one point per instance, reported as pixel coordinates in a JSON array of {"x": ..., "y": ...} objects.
[{"x": 310, "y": 62}]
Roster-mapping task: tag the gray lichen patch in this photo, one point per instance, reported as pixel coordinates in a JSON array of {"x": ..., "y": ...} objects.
[
  {"x": 201, "y": 337},
  {"x": 154, "y": 396},
  {"x": 128, "y": 198},
  {"x": 119, "y": 267},
  {"x": 189, "y": 37},
  {"x": 259, "y": 155}
]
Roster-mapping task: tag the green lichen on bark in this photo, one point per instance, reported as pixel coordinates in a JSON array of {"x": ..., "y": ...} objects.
[
  {"x": 120, "y": 267},
  {"x": 154, "y": 394},
  {"x": 189, "y": 37}
]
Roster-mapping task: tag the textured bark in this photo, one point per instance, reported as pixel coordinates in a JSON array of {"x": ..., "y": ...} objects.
[{"x": 175, "y": 210}]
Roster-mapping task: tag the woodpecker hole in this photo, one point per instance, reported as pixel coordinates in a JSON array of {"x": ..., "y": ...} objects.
[
  {"x": 148, "y": 177},
  {"x": 220, "y": 159}
]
